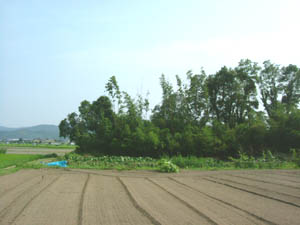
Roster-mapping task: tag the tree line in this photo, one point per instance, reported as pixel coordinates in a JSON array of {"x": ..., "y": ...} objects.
[{"x": 215, "y": 115}]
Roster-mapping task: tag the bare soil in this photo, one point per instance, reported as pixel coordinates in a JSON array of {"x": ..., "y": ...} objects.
[
  {"x": 40, "y": 151},
  {"x": 66, "y": 197}
]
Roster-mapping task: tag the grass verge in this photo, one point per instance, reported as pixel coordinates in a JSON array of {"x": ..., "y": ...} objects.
[
  {"x": 10, "y": 163},
  {"x": 17, "y": 160}
]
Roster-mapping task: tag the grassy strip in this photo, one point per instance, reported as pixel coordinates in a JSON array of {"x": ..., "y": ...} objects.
[
  {"x": 173, "y": 164},
  {"x": 10, "y": 163},
  {"x": 38, "y": 146},
  {"x": 240, "y": 163},
  {"x": 17, "y": 160}
]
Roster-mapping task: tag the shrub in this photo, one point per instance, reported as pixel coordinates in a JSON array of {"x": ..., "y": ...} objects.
[
  {"x": 266, "y": 161},
  {"x": 52, "y": 155},
  {"x": 167, "y": 166},
  {"x": 296, "y": 156},
  {"x": 3, "y": 150},
  {"x": 196, "y": 162},
  {"x": 244, "y": 161}
]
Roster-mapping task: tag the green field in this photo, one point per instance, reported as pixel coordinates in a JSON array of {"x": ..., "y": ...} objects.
[
  {"x": 10, "y": 163},
  {"x": 7, "y": 160}
]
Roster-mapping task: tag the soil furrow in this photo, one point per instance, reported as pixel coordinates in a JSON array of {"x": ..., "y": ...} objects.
[
  {"x": 218, "y": 212},
  {"x": 85, "y": 197},
  {"x": 289, "y": 173},
  {"x": 57, "y": 204},
  {"x": 265, "y": 181},
  {"x": 275, "y": 176},
  {"x": 264, "y": 195},
  {"x": 224, "y": 202},
  {"x": 9, "y": 183},
  {"x": 80, "y": 211},
  {"x": 260, "y": 187},
  {"x": 14, "y": 210},
  {"x": 294, "y": 193},
  {"x": 106, "y": 202},
  {"x": 209, "y": 220},
  {"x": 11, "y": 197},
  {"x": 160, "y": 204},
  {"x": 271, "y": 210},
  {"x": 137, "y": 206}
]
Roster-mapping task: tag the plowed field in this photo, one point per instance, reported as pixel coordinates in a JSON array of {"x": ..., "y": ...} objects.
[
  {"x": 67, "y": 197},
  {"x": 40, "y": 151}
]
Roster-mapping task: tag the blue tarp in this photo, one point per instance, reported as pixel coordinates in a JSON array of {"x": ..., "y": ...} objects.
[{"x": 58, "y": 163}]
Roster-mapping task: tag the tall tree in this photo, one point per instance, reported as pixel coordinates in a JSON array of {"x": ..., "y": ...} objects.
[
  {"x": 269, "y": 87},
  {"x": 289, "y": 83},
  {"x": 197, "y": 98},
  {"x": 246, "y": 93},
  {"x": 280, "y": 87},
  {"x": 232, "y": 93}
]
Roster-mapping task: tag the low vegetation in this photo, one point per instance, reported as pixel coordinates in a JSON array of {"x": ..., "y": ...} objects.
[
  {"x": 109, "y": 162},
  {"x": 173, "y": 164},
  {"x": 13, "y": 162},
  {"x": 3, "y": 150},
  {"x": 10, "y": 163},
  {"x": 167, "y": 166},
  {"x": 7, "y": 160}
]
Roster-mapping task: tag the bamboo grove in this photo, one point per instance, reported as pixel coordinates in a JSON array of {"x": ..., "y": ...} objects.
[{"x": 249, "y": 109}]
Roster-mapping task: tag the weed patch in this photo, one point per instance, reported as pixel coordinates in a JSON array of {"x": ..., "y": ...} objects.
[
  {"x": 167, "y": 166},
  {"x": 109, "y": 162},
  {"x": 3, "y": 150}
]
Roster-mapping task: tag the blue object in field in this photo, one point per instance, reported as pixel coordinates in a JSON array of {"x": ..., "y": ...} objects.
[{"x": 58, "y": 163}]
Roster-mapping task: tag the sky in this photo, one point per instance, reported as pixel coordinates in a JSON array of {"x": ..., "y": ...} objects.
[{"x": 55, "y": 54}]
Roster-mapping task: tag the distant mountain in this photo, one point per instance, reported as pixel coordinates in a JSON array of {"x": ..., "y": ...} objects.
[
  {"x": 40, "y": 131},
  {"x": 6, "y": 128}
]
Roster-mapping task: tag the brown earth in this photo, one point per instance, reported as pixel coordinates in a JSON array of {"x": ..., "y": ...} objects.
[
  {"x": 66, "y": 197},
  {"x": 40, "y": 151}
]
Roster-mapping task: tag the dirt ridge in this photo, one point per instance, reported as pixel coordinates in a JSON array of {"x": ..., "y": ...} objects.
[
  {"x": 211, "y": 221},
  {"x": 263, "y": 181},
  {"x": 31, "y": 200},
  {"x": 2, "y": 212},
  {"x": 252, "y": 192},
  {"x": 226, "y": 203},
  {"x": 88, "y": 197},
  {"x": 80, "y": 210},
  {"x": 254, "y": 186},
  {"x": 137, "y": 206}
]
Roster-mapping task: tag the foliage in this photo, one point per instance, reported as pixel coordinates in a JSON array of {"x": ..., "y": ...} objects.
[
  {"x": 173, "y": 164},
  {"x": 203, "y": 116},
  {"x": 280, "y": 87},
  {"x": 267, "y": 161},
  {"x": 109, "y": 162},
  {"x": 167, "y": 166},
  {"x": 296, "y": 156},
  {"x": 232, "y": 93},
  {"x": 198, "y": 162}
]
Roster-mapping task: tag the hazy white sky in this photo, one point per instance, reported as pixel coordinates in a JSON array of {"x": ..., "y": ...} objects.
[{"x": 54, "y": 54}]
